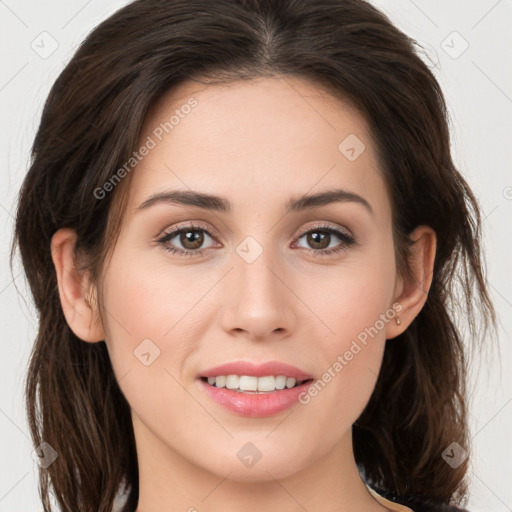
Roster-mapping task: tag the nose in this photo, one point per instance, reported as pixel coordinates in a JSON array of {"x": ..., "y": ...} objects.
[{"x": 259, "y": 303}]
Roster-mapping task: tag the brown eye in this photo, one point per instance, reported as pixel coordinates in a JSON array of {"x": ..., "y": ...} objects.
[
  {"x": 191, "y": 239},
  {"x": 186, "y": 241},
  {"x": 319, "y": 240}
]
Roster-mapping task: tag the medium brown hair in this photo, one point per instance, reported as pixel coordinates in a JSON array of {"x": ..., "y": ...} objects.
[{"x": 90, "y": 126}]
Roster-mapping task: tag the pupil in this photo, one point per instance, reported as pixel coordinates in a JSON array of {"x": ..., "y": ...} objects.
[
  {"x": 195, "y": 238},
  {"x": 317, "y": 239}
]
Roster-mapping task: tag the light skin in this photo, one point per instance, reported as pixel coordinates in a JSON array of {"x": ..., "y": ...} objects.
[{"x": 257, "y": 144}]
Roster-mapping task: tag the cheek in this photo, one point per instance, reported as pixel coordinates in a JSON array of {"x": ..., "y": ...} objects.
[
  {"x": 143, "y": 316},
  {"x": 355, "y": 295},
  {"x": 152, "y": 325},
  {"x": 356, "y": 305},
  {"x": 145, "y": 299}
]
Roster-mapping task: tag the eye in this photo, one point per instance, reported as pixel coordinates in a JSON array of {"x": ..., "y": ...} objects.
[
  {"x": 190, "y": 237},
  {"x": 320, "y": 240}
]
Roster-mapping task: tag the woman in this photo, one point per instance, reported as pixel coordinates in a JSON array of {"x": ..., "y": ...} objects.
[{"x": 243, "y": 231}]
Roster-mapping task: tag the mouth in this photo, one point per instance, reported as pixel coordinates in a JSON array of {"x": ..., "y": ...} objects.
[
  {"x": 254, "y": 397},
  {"x": 254, "y": 385},
  {"x": 256, "y": 390}
]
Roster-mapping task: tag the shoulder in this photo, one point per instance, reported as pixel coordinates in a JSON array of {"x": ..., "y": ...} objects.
[{"x": 402, "y": 504}]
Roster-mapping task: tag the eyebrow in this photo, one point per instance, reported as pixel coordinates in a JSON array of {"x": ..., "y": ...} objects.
[{"x": 220, "y": 204}]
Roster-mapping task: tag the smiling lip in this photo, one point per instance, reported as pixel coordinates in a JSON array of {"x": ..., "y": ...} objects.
[
  {"x": 255, "y": 405},
  {"x": 257, "y": 370}
]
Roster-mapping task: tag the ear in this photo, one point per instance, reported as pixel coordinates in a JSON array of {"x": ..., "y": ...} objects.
[
  {"x": 77, "y": 296},
  {"x": 411, "y": 294}
]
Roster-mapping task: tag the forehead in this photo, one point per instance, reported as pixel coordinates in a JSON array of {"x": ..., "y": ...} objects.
[{"x": 257, "y": 142}]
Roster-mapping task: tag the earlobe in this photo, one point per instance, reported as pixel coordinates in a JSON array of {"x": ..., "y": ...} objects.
[
  {"x": 75, "y": 289},
  {"x": 412, "y": 292}
]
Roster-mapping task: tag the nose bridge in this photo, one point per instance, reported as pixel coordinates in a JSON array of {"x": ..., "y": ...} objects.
[
  {"x": 259, "y": 302},
  {"x": 255, "y": 267}
]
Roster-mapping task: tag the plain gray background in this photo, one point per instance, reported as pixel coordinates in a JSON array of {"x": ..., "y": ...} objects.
[{"x": 467, "y": 42}]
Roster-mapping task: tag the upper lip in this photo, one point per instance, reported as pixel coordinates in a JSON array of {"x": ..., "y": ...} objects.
[{"x": 257, "y": 370}]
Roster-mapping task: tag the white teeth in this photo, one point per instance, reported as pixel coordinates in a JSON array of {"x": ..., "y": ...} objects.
[
  {"x": 267, "y": 383},
  {"x": 247, "y": 383},
  {"x": 290, "y": 382},
  {"x": 280, "y": 382},
  {"x": 232, "y": 381}
]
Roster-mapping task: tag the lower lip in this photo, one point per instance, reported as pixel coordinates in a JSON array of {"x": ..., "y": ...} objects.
[{"x": 255, "y": 405}]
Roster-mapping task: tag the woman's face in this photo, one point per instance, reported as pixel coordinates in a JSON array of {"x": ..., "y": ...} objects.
[{"x": 257, "y": 284}]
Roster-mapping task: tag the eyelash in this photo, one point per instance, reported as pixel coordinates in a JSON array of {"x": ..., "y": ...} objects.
[{"x": 347, "y": 240}]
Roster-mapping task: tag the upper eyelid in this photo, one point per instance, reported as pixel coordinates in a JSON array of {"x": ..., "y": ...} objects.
[
  {"x": 191, "y": 226},
  {"x": 213, "y": 233},
  {"x": 321, "y": 225}
]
